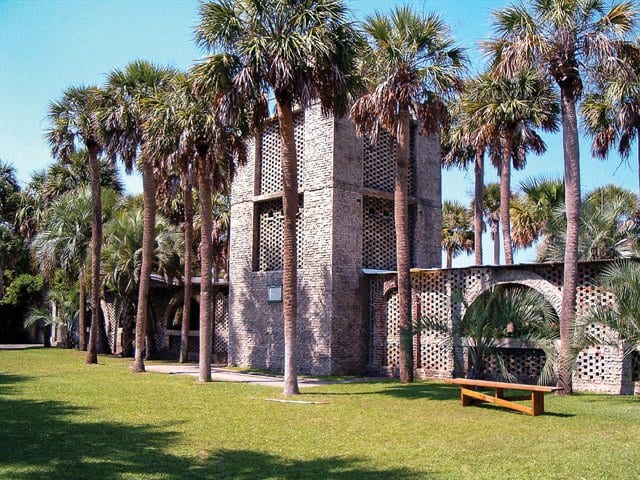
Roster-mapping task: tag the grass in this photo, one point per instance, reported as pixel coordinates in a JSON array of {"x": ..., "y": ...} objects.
[{"x": 62, "y": 419}]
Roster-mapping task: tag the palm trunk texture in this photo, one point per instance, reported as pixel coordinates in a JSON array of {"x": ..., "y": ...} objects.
[
  {"x": 495, "y": 228},
  {"x": 289, "y": 250},
  {"x": 206, "y": 227},
  {"x": 403, "y": 253},
  {"x": 96, "y": 248},
  {"x": 505, "y": 198},
  {"x": 148, "y": 241},
  {"x": 82, "y": 311},
  {"x": 478, "y": 174},
  {"x": 572, "y": 201},
  {"x": 188, "y": 249}
]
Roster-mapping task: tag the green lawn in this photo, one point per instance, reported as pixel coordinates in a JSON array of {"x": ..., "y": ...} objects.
[{"x": 60, "y": 418}]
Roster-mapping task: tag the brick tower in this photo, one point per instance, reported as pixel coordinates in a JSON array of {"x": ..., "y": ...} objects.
[{"x": 345, "y": 225}]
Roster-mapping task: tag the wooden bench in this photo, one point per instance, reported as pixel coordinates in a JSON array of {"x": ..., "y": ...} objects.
[{"x": 468, "y": 396}]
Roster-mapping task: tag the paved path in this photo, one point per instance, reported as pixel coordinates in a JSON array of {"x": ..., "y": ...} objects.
[
  {"x": 226, "y": 375},
  {"x": 19, "y": 346}
]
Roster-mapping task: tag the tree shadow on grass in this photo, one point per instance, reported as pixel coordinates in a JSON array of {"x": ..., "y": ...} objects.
[
  {"x": 411, "y": 391},
  {"x": 42, "y": 440}
]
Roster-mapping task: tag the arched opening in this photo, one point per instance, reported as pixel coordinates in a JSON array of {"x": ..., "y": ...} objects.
[{"x": 503, "y": 331}]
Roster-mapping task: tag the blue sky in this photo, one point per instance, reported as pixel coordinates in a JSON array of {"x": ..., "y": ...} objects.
[{"x": 49, "y": 45}]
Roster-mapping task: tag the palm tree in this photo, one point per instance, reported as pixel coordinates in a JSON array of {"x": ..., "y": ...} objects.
[
  {"x": 512, "y": 109},
  {"x": 123, "y": 259},
  {"x": 414, "y": 65},
  {"x": 181, "y": 127},
  {"x": 564, "y": 39},
  {"x": 9, "y": 195},
  {"x": 75, "y": 119},
  {"x": 611, "y": 113},
  {"x": 64, "y": 242},
  {"x": 608, "y": 227},
  {"x": 298, "y": 51},
  {"x": 465, "y": 142},
  {"x": 457, "y": 237},
  {"x": 491, "y": 213},
  {"x": 532, "y": 212},
  {"x": 127, "y": 92}
]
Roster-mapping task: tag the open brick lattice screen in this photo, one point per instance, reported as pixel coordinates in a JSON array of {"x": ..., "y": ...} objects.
[
  {"x": 379, "y": 234},
  {"x": 380, "y": 163},
  {"x": 599, "y": 369},
  {"x": 270, "y": 235},
  {"x": 221, "y": 327},
  {"x": 270, "y": 164}
]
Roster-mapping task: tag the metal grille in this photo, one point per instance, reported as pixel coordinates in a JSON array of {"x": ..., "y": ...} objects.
[
  {"x": 270, "y": 234},
  {"x": 221, "y": 327},
  {"x": 379, "y": 234},
  {"x": 380, "y": 163},
  {"x": 270, "y": 162}
]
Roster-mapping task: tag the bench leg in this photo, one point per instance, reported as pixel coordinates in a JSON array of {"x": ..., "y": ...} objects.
[
  {"x": 537, "y": 403},
  {"x": 465, "y": 400}
]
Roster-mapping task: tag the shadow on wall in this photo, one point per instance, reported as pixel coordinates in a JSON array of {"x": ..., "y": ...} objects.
[{"x": 50, "y": 440}]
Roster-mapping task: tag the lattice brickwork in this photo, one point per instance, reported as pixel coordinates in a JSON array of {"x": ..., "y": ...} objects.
[
  {"x": 270, "y": 235},
  {"x": 524, "y": 363},
  {"x": 380, "y": 163},
  {"x": 379, "y": 234},
  {"x": 393, "y": 331},
  {"x": 221, "y": 327},
  {"x": 270, "y": 163}
]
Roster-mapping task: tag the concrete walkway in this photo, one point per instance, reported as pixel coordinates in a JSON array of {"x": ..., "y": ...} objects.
[
  {"x": 19, "y": 346},
  {"x": 226, "y": 375}
]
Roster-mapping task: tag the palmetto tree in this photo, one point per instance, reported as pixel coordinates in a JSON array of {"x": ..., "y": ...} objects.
[
  {"x": 74, "y": 119},
  {"x": 123, "y": 257},
  {"x": 491, "y": 213},
  {"x": 297, "y": 51},
  {"x": 564, "y": 39},
  {"x": 608, "y": 227},
  {"x": 611, "y": 113},
  {"x": 9, "y": 201},
  {"x": 532, "y": 212},
  {"x": 65, "y": 240},
  {"x": 182, "y": 128},
  {"x": 412, "y": 65},
  {"x": 512, "y": 110},
  {"x": 457, "y": 236},
  {"x": 124, "y": 116}
]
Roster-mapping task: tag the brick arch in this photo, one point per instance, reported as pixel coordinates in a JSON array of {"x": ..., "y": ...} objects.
[{"x": 548, "y": 290}]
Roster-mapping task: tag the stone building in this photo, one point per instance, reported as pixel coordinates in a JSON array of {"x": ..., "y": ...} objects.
[{"x": 345, "y": 225}]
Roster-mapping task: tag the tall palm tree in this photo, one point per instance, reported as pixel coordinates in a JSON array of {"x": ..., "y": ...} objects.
[
  {"x": 513, "y": 109},
  {"x": 182, "y": 128},
  {"x": 465, "y": 142},
  {"x": 127, "y": 91},
  {"x": 611, "y": 113},
  {"x": 491, "y": 213},
  {"x": 74, "y": 119},
  {"x": 414, "y": 65},
  {"x": 532, "y": 212},
  {"x": 457, "y": 236},
  {"x": 298, "y": 51},
  {"x": 564, "y": 39}
]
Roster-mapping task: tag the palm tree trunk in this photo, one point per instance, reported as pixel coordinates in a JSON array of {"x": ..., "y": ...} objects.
[
  {"x": 1, "y": 283},
  {"x": 148, "y": 241},
  {"x": 289, "y": 248},
  {"x": 505, "y": 197},
  {"x": 638, "y": 137},
  {"x": 403, "y": 252},
  {"x": 478, "y": 173},
  {"x": 449, "y": 263},
  {"x": 495, "y": 227},
  {"x": 572, "y": 201},
  {"x": 96, "y": 247},
  {"x": 206, "y": 227},
  {"x": 188, "y": 249},
  {"x": 82, "y": 311}
]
